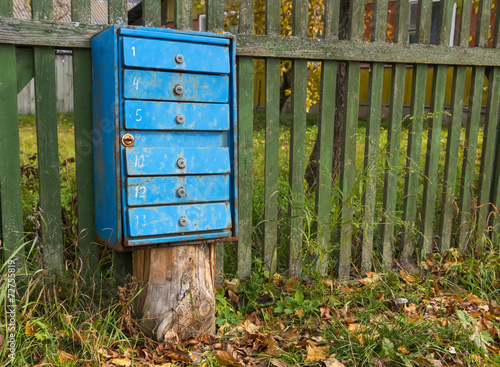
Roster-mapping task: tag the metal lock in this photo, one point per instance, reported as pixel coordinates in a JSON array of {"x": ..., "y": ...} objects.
[
  {"x": 181, "y": 192},
  {"x": 181, "y": 163},
  {"x": 128, "y": 140},
  {"x": 179, "y": 59},
  {"x": 183, "y": 221},
  {"x": 178, "y": 90},
  {"x": 179, "y": 119}
]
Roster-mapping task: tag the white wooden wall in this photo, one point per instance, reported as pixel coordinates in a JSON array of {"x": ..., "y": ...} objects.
[{"x": 64, "y": 88}]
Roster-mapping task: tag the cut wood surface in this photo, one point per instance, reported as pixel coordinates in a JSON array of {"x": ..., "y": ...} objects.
[{"x": 180, "y": 299}]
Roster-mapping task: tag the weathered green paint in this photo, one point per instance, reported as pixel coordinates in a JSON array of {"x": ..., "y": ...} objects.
[
  {"x": 410, "y": 200},
  {"x": 372, "y": 137},
  {"x": 371, "y": 160},
  {"x": 11, "y": 209},
  {"x": 7, "y": 8},
  {"x": 297, "y": 164},
  {"x": 117, "y": 12},
  {"x": 486, "y": 177},
  {"x": 348, "y": 168},
  {"x": 432, "y": 158},
  {"x": 24, "y": 67},
  {"x": 483, "y": 23},
  {"x": 468, "y": 164},
  {"x": 394, "y": 138},
  {"x": 48, "y": 158},
  {"x": 434, "y": 141},
  {"x": 245, "y": 20},
  {"x": 183, "y": 15},
  {"x": 151, "y": 13},
  {"x": 299, "y": 18},
  {"x": 82, "y": 90},
  {"x": 465, "y": 18},
  {"x": 215, "y": 15},
  {"x": 271, "y": 165},
  {"x": 81, "y": 11},
  {"x": 324, "y": 166},
  {"x": 273, "y": 20},
  {"x": 451, "y": 163},
  {"x": 424, "y": 16},
  {"x": 331, "y": 26},
  {"x": 245, "y": 162},
  {"x": 42, "y": 9}
]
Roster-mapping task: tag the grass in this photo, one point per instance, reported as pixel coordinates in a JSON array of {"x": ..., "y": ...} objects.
[{"x": 448, "y": 314}]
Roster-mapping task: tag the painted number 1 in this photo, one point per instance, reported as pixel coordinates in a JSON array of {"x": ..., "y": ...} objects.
[
  {"x": 133, "y": 51},
  {"x": 139, "y": 161}
]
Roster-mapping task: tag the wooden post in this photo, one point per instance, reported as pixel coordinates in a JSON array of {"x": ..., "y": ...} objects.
[{"x": 179, "y": 300}]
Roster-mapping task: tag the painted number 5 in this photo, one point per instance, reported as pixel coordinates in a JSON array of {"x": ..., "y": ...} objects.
[{"x": 138, "y": 115}]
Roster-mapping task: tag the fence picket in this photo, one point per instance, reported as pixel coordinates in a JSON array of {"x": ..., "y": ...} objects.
[
  {"x": 434, "y": 135},
  {"x": 183, "y": 15},
  {"x": 417, "y": 111},
  {"x": 117, "y": 11},
  {"x": 151, "y": 13},
  {"x": 297, "y": 143},
  {"x": 325, "y": 139},
  {"x": 394, "y": 137},
  {"x": 215, "y": 15},
  {"x": 269, "y": 250},
  {"x": 376, "y": 81},
  {"x": 82, "y": 89},
  {"x": 245, "y": 146},
  {"x": 348, "y": 159},
  {"x": 473, "y": 119}
]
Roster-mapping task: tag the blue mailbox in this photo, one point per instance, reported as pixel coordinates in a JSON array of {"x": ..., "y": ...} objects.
[{"x": 164, "y": 137}]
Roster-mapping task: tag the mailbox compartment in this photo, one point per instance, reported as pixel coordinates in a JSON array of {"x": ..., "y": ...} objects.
[{"x": 164, "y": 137}]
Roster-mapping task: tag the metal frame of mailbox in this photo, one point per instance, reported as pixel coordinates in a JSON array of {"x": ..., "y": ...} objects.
[{"x": 110, "y": 156}]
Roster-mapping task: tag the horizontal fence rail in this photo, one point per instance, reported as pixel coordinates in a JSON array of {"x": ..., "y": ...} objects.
[{"x": 419, "y": 186}]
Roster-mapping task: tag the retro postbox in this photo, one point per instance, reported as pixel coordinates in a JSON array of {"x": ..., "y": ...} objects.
[{"x": 164, "y": 115}]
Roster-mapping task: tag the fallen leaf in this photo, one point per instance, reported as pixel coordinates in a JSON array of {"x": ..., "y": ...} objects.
[
  {"x": 332, "y": 362},
  {"x": 233, "y": 285},
  {"x": 403, "y": 350},
  {"x": 316, "y": 353},
  {"x": 233, "y": 296},
  {"x": 278, "y": 363},
  {"x": 379, "y": 362},
  {"x": 226, "y": 359},
  {"x": 122, "y": 361},
  {"x": 64, "y": 356}
]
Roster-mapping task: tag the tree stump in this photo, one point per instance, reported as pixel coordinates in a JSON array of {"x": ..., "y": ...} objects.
[{"x": 179, "y": 301}]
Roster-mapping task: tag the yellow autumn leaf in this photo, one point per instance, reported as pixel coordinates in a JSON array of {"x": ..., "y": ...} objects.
[
  {"x": 315, "y": 353},
  {"x": 121, "y": 361},
  {"x": 403, "y": 350}
]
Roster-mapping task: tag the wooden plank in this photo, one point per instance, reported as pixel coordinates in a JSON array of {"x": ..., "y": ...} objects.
[
  {"x": 269, "y": 251},
  {"x": 24, "y": 67},
  {"x": 245, "y": 20},
  {"x": 297, "y": 143},
  {"x": 11, "y": 209},
  {"x": 348, "y": 157},
  {"x": 82, "y": 91},
  {"x": 451, "y": 162},
  {"x": 372, "y": 137},
  {"x": 469, "y": 160},
  {"x": 424, "y": 16},
  {"x": 324, "y": 166},
  {"x": 151, "y": 13},
  {"x": 297, "y": 164},
  {"x": 271, "y": 165},
  {"x": 464, "y": 33},
  {"x": 215, "y": 15},
  {"x": 486, "y": 176},
  {"x": 483, "y": 23},
  {"x": 434, "y": 135},
  {"x": 117, "y": 12},
  {"x": 245, "y": 161},
  {"x": 42, "y": 9},
  {"x": 7, "y": 8},
  {"x": 332, "y": 19},
  {"x": 394, "y": 138},
  {"x": 183, "y": 15},
  {"x": 71, "y": 35},
  {"x": 48, "y": 158}
]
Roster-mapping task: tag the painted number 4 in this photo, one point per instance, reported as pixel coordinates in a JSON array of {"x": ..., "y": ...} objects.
[{"x": 136, "y": 83}]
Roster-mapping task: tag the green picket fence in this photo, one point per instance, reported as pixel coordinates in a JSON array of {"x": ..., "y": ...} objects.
[{"x": 27, "y": 51}]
